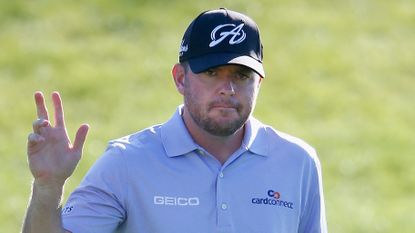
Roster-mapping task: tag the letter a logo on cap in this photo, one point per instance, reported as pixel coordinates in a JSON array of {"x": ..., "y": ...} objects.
[{"x": 238, "y": 35}]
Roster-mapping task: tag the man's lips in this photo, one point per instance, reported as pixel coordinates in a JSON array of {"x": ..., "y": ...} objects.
[
  {"x": 227, "y": 104},
  {"x": 223, "y": 106}
]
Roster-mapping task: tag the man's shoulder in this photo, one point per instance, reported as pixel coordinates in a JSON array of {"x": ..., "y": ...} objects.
[
  {"x": 279, "y": 141},
  {"x": 144, "y": 138},
  {"x": 293, "y": 141}
]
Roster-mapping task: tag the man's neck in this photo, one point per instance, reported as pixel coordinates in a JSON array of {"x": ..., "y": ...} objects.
[{"x": 221, "y": 147}]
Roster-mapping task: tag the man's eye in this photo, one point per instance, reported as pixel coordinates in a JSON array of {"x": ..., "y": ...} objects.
[
  {"x": 211, "y": 72},
  {"x": 243, "y": 76}
]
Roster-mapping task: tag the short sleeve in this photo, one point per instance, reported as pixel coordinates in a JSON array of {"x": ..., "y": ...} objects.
[
  {"x": 98, "y": 204},
  {"x": 313, "y": 219}
]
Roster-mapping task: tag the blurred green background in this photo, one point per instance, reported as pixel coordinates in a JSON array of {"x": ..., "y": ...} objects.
[{"x": 340, "y": 74}]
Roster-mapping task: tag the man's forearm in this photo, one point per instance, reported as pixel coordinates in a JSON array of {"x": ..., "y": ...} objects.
[{"x": 44, "y": 211}]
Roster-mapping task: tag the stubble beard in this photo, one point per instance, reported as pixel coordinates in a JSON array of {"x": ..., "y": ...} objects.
[{"x": 212, "y": 125}]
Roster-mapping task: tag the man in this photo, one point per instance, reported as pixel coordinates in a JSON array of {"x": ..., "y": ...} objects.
[{"x": 211, "y": 168}]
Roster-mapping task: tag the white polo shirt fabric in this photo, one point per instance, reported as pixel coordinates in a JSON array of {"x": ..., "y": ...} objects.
[{"x": 160, "y": 181}]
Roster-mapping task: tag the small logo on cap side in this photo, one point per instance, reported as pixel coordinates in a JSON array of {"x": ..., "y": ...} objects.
[
  {"x": 183, "y": 48},
  {"x": 238, "y": 35}
]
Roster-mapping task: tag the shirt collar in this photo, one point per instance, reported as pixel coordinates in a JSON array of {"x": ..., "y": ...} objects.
[
  {"x": 175, "y": 137},
  {"x": 177, "y": 140},
  {"x": 255, "y": 139}
]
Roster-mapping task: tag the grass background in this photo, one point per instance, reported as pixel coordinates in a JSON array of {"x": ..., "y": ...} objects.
[{"x": 340, "y": 74}]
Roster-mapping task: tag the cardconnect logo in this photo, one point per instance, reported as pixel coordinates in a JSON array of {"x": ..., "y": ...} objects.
[{"x": 273, "y": 199}]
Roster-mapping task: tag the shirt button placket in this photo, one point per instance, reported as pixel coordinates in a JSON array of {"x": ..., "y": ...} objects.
[{"x": 223, "y": 213}]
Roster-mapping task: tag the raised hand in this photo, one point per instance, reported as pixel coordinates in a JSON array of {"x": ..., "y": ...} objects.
[{"x": 52, "y": 157}]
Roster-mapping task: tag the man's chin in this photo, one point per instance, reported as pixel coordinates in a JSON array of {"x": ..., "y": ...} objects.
[
  {"x": 224, "y": 127},
  {"x": 222, "y": 132}
]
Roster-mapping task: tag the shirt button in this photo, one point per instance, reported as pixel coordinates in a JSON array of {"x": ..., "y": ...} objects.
[
  {"x": 224, "y": 206},
  {"x": 221, "y": 175}
]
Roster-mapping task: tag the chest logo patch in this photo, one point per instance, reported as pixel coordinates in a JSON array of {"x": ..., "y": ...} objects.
[
  {"x": 176, "y": 201},
  {"x": 273, "y": 198}
]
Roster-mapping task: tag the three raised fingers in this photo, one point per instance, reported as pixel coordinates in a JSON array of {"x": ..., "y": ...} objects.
[{"x": 43, "y": 120}]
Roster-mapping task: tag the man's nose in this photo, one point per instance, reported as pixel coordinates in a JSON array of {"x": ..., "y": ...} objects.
[{"x": 228, "y": 87}]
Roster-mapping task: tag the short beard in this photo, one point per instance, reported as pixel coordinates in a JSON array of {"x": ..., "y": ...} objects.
[
  {"x": 210, "y": 125},
  {"x": 213, "y": 127}
]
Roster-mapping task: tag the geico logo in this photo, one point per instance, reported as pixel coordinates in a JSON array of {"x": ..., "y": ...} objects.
[{"x": 176, "y": 201}]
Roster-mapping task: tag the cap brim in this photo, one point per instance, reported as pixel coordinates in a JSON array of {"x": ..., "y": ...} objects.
[{"x": 203, "y": 63}]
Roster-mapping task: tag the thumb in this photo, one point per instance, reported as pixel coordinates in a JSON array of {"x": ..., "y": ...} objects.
[{"x": 80, "y": 138}]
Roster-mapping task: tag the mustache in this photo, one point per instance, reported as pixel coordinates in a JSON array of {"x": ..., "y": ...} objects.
[{"x": 225, "y": 103}]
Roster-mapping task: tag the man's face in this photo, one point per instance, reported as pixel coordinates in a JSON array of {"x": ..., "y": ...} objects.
[{"x": 221, "y": 99}]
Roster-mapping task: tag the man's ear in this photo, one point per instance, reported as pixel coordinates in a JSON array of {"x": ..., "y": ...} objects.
[
  {"x": 178, "y": 73},
  {"x": 259, "y": 82}
]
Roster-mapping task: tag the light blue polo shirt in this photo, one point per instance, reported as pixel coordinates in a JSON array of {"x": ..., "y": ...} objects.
[{"x": 160, "y": 181}]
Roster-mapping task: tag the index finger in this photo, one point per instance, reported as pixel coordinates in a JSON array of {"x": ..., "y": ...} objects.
[{"x": 42, "y": 111}]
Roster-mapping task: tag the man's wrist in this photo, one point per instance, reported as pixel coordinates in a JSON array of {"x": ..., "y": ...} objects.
[{"x": 48, "y": 194}]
